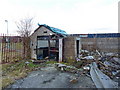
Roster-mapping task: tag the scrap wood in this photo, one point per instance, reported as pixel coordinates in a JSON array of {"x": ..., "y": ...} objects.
[
  {"x": 98, "y": 53},
  {"x": 74, "y": 80},
  {"x": 102, "y": 64}
]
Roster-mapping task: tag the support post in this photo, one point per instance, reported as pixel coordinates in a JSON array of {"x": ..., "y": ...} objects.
[
  {"x": 49, "y": 47},
  {"x": 60, "y": 50}
]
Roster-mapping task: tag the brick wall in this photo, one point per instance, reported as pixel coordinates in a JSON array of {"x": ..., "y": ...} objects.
[
  {"x": 69, "y": 48},
  {"x": 102, "y": 44}
]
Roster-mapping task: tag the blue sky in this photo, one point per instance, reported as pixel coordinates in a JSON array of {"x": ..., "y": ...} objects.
[{"x": 73, "y": 16}]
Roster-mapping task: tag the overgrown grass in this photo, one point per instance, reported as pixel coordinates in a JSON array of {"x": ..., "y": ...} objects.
[
  {"x": 14, "y": 71},
  {"x": 51, "y": 62},
  {"x": 20, "y": 69},
  {"x": 66, "y": 63},
  {"x": 11, "y": 56}
]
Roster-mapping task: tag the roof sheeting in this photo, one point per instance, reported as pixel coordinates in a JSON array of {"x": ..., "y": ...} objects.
[
  {"x": 55, "y": 30},
  {"x": 98, "y": 35}
]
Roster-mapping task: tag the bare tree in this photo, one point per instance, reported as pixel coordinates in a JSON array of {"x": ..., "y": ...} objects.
[{"x": 24, "y": 29}]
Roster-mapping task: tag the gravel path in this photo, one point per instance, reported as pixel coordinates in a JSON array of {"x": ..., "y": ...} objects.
[{"x": 50, "y": 77}]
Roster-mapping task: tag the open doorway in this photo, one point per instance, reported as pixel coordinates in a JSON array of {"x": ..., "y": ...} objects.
[{"x": 77, "y": 47}]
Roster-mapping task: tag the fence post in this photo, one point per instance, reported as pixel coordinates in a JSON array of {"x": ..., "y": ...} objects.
[
  {"x": 0, "y": 50},
  {"x": 0, "y": 63}
]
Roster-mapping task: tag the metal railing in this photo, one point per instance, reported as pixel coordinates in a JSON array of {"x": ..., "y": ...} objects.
[{"x": 11, "y": 48}]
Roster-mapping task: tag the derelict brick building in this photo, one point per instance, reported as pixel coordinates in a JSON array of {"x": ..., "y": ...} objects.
[{"x": 52, "y": 43}]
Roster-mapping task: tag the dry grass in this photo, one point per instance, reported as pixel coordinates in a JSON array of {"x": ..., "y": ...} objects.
[{"x": 14, "y": 71}]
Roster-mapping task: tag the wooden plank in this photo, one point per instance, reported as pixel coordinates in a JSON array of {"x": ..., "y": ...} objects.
[
  {"x": 49, "y": 47},
  {"x": 60, "y": 50}
]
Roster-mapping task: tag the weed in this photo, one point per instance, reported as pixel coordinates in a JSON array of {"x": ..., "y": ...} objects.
[
  {"x": 6, "y": 81},
  {"x": 51, "y": 62},
  {"x": 71, "y": 61},
  {"x": 13, "y": 71}
]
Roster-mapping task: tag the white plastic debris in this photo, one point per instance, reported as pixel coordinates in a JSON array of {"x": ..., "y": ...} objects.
[
  {"x": 84, "y": 51},
  {"x": 62, "y": 69},
  {"x": 27, "y": 62},
  {"x": 117, "y": 77},
  {"x": 61, "y": 65},
  {"x": 88, "y": 57},
  {"x": 86, "y": 68}
]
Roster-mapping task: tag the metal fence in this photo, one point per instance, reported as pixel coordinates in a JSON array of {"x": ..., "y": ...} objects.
[{"x": 11, "y": 48}]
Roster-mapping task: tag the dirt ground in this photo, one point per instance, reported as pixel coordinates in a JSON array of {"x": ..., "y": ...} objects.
[{"x": 50, "y": 77}]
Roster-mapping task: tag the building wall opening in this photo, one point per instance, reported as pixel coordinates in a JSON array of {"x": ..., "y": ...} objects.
[{"x": 77, "y": 47}]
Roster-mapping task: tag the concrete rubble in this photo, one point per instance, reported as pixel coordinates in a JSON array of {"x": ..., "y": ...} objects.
[
  {"x": 108, "y": 64},
  {"x": 102, "y": 67}
]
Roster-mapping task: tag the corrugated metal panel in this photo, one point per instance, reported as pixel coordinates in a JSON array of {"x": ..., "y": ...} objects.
[
  {"x": 104, "y": 35},
  {"x": 55, "y": 30}
]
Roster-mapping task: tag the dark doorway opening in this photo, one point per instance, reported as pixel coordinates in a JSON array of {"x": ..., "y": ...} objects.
[
  {"x": 45, "y": 53},
  {"x": 77, "y": 46}
]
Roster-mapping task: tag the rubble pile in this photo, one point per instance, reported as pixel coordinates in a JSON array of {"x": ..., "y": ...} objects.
[{"x": 108, "y": 64}]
